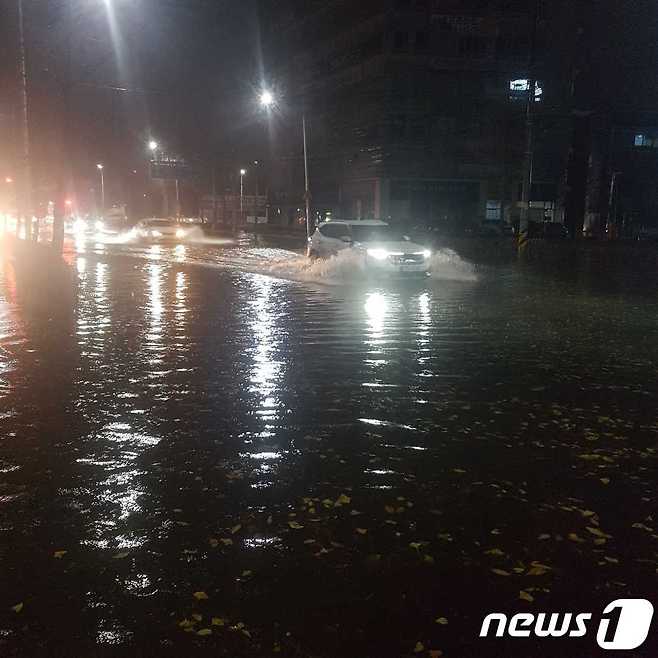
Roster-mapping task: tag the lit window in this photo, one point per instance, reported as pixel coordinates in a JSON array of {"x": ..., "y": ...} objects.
[
  {"x": 494, "y": 209},
  {"x": 643, "y": 140},
  {"x": 519, "y": 88}
]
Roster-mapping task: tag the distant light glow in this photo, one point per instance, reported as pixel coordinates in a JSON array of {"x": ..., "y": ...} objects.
[
  {"x": 153, "y": 145},
  {"x": 99, "y": 166},
  {"x": 243, "y": 172},
  {"x": 9, "y": 179},
  {"x": 266, "y": 99}
]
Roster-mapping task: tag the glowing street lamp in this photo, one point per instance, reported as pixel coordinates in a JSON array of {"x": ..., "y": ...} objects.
[
  {"x": 100, "y": 168},
  {"x": 267, "y": 101},
  {"x": 153, "y": 145},
  {"x": 9, "y": 180},
  {"x": 242, "y": 175}
]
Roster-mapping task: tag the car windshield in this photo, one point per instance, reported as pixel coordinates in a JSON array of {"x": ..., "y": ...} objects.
[{"x": 376, "y": 234}]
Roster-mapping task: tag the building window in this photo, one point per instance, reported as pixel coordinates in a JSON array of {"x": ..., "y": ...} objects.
[
  {"x": 494, "y": 211},
  {"x": 401, "y": 43},
  {"x": 518, "y": 90},
  {"x": 421, "y": 42},
  {"x": 645, "y": 140}
]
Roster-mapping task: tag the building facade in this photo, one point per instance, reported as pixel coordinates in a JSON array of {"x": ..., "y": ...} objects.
[{"x": 415, "y": 108}]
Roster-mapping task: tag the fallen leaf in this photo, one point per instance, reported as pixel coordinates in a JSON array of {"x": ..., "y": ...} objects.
[
  {"x": 246, "y": 573},
  {"x": 442, "y": 621},
  {"x": 495, "y": 551},
  {"x": 236, "y": 528},
  {"x": 204, "y": 631},
  {"x": 501, "y": 572},
  {"x": 362, "y": 531},
  {"x": 605, "y": 480},
  {"x": 342, "y": 500},
  {"x": 217, "y": 621},
  {"x": 419, "y": 647},
  {"x": 597, "y": 532},
  {"x": 200, "y": 596},
  {"x": 121, "y": 556},
  {"x": 294, "y": 525},
  {"x": 186, "y": 623},
  {"x": 59, "y": 554},
  {"x": 309, "y": 541},
  {"x": 197, "y": 617},
  {"x": 524, "y": 596},
  {"x": 227, "y": 541},
  {"x": 415, "y": 545},
  {"x": 389, "y": 509},
  {"x": 17, "y": 608},
  {"x": 575, "y": 538}
]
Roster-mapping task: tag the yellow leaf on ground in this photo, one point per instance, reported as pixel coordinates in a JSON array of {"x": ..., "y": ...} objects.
[
  {"x": 495, "y": 551},
  {"x": 524, "y": 596},
  {"x": 186, "y": 623},
  {"x": 605, "y": 480},
  {"x": 362, "y": 531},
  {"x": 17, "y": 608},
  {"x": 59, "y": 554},
  {"x": 227, "y": 541},
  {"x": 442, "y": 621},
  {"x": 574, "y": 537},
  {"x": 217, "y": 621},
  {"x": 197, "y": 617},
  {"x": 236, "y": 528},
  {"x": 213, "y": 542},
  {"x": 415, "y": 545},
  {"x": 389, "y": 509},
  {"x": 597, "y": 532},
  {"x": 294, "y": 525},
  {"x": 121, "y": 556},
  {"x": 200, "y": 596},
  {"x": 342, "y": 500},
  {"x": 501, "y": 572},
  {"x": 246, "y": 573},
  {"x": 204, "y": 631},
  {"x": 420, "y": 647}
]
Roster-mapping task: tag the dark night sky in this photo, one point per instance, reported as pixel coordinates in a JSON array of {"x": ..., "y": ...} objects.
[{"x": 189, "y": 65}]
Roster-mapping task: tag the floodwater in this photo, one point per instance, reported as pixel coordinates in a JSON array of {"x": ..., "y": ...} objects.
[{"x": 222, "y": 449}]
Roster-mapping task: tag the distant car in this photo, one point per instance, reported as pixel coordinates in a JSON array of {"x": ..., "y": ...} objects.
[
  {"x": 160, "y": 229},
  {"x": 382, "y": 247}
]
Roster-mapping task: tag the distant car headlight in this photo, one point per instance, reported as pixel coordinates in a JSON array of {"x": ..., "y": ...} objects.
[
  {"x": 100, "y": 226},
  {"x": 79, "y": 226},
  {"x": 180, "y": 233},
  {"x": 427, "y": 254},
  {"x": 156, "y": 234},
  {"x": 378, "y": 254}
]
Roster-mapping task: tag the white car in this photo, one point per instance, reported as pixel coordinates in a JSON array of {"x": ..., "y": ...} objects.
[
  {"x": 383, "y": 248},
  {"x": 160, "y": 229}
]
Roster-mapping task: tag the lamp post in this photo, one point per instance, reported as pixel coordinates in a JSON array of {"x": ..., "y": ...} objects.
[
  {"x": 242, "y": 175},
  {"x": 100, "y": 168},
  {"x": 268, "y": 101}
]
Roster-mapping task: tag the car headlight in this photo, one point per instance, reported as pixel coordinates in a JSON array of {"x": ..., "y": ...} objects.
[
  {"x": 427, "y": 254},
  {"x": 378, "y": 254},
  {"x": 99, "y": 225},
  {"x": 156, "y": 234},
  {"x": 180, "y": 233},
  {"x": 79, "y": 226}
]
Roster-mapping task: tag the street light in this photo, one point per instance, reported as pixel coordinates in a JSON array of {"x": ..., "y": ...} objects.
[
  {"x": 153, "y": 145},
  {"x": 9, "y": 180},
  {"x": 242, "y": 175},
  {"x": 100, "y": 168},
  {"x": 267, "y": 101}
]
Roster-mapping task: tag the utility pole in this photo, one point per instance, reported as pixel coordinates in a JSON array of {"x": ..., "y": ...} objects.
[
  {"x": 25, "y": 209},
  {"x": 529, "y": 155},
  {"x": 307, "y": 191}
]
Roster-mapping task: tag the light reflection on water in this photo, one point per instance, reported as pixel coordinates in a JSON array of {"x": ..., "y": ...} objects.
[{"x": 349, "y": 390}]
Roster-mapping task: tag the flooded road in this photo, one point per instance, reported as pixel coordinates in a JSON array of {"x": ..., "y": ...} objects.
[{"x": 222, "y": 449}]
